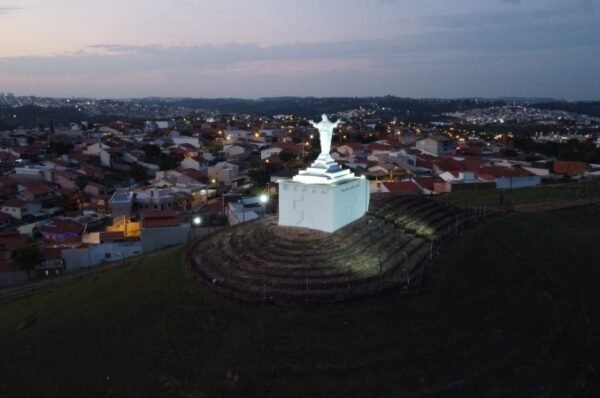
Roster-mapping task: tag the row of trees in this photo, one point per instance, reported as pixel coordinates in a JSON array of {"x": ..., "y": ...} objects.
[
  {"x": 570, "y": 150},
  {"x": 26, "y": 257}
]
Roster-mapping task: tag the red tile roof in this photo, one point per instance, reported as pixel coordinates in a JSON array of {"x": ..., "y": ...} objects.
[
  {"x": 60, "y": 226},
  {"x": 58, "y": 162},
  {"x": 499, "y": 172},
  {"x": 15, "y": 203},
  {"x": 188, "y": 147},
  {"x": 428, "y": 182},
  {"x": 380, "y": 147},
  {"x": 148, "y": 214},
  {"x": 396, "y": 144},
  {"x": 425, "y": 163},
  {"x": 6, "y": 180},
  {"x": 568, "y": 167},
  {"x": 472, "y": 164},
  {"x": 471, "y": 150},
  {"x": 449, "y": 164},
  {"x": 35, "y": 188},
  {"x": 160, "y": 222},
  {"x": 81, "y": 157},
  {"x": 402, "y": 187},
  {"x": 353, "y": 145},
  {"x": 192, "y": 173},
  {"x": 288, "y": 146}
]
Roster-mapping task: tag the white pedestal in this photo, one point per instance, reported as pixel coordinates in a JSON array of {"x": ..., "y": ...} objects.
[{"x": 323, "y": 206}]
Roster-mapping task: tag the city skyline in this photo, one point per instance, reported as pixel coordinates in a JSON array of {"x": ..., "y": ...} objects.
[{"x": 342, "y": 48}]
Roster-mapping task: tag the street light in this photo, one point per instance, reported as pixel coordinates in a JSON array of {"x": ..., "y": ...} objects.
[
  {"x": 263, "y": 199},
  {"x": 196, "y": 222}
]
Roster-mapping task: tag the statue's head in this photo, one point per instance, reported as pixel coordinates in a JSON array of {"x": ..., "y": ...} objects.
[{"x": 324, "y": 116}]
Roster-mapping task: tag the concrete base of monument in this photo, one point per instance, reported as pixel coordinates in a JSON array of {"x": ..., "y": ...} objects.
[{"x": 326, "y": 206}]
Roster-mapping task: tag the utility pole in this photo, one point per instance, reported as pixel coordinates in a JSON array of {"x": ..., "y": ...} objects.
[{"x": 380, "y": 273}]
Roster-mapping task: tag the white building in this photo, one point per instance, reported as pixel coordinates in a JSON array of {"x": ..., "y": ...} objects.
[
  {"x": 246, "y": 209},
  {"x": 224, "y": 172},
  {"x": 233, "y": 151},
  {"x": 187, "y": 140},
  {"x": 267, "y": 153},
  {"x": 437, "y": 146}
]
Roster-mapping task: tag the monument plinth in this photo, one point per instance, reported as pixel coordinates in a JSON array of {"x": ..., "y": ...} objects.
[{"x": 325, "y": 196}]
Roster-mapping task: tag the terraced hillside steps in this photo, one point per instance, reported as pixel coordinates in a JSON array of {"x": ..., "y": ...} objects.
[{"x": 388, "y": 248}]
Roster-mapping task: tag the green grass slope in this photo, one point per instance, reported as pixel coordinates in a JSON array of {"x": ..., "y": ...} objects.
[{"x": 512, "y": 309}]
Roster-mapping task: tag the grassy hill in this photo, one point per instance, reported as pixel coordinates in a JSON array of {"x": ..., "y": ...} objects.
[{"x": 512, "y": 309}]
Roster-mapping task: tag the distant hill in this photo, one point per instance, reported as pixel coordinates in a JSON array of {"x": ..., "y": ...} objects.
[{"x": 422, "y": 110}]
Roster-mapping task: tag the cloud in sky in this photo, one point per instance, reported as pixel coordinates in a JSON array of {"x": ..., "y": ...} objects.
[
  {"x": 7, "y": 10},
  {"x": 533, "y": 52}
]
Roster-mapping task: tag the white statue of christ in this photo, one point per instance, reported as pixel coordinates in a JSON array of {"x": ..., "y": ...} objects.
[{"x": 325, "y": 128}]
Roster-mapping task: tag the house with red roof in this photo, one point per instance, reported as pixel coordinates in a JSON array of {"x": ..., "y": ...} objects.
[
  {"x": 396, "y": 144},
  {"x": 9, "y": 183},
  {"x": 379, "y": 148},
  {"x": 66, "y": 179},
  {"x": 95, "y": 189},
  {"x": 447, "y": 164},
  {"x": 62, "y": 230},
  {"x": 570, "y": 168},
  {"x": 437, "y": 145},
  {"x": 81, "y": 158},
  {"x": 162, "y": 228},
  {"x": 427, "y": 184},
  {"x": 351, "y": 149},
  {"x": 36, "y": 191},
  {"x": 399, "y": 187},
  {"x": 509, "y": 177},
  {"x": 17, "y": 208},
  {"x": 199, "y": 162},
  {"x": 453, "y": 186}
]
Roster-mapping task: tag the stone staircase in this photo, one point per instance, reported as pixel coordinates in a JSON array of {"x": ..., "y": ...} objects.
[{"x": 388, "y": 248}]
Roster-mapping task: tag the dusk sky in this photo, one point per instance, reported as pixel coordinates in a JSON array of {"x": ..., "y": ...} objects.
[{"x": 258, "y": 48}]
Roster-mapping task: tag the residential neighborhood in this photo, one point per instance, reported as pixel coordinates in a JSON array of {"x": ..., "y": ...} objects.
[{"x": 86, "y": 194}]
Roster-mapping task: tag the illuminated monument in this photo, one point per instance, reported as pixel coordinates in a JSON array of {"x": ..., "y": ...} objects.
[{"x": 325, "y": 196}]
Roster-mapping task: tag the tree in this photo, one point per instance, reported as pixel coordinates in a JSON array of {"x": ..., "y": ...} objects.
[
  {"x": 81, "y": 182},
  {"x": 168, "y": 162},
  {"x": 262, "y": 175},
  {"x": 151, "y": 152},
  {"x": 60, "y": 148},
  {"x": 286, "y": 156},
  {"x": 510, "y": 153},
  {"x": 138, "y": 172},
  {"x": 27, "y": 257}
]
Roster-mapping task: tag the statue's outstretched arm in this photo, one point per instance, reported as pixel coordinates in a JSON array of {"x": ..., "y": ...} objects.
[
  {"x": 339, "y": 121},
  {"x": 315, "y": 125}
]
